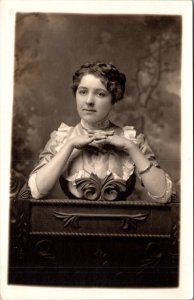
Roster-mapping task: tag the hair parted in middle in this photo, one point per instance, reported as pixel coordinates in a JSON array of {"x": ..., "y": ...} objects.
[{"x": 109, "y": 75}]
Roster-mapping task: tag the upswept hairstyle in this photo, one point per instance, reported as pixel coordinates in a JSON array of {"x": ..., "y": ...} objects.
[{"x": 109, "y": 75}]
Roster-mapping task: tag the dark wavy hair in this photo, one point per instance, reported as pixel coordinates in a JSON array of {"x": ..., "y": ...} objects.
[{"x": 109, "y": 75}]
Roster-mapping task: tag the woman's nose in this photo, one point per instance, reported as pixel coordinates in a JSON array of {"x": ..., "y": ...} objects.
[{"x": 90, "y": 99}]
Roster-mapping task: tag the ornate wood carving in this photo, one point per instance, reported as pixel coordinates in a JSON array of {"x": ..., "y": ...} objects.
[
  {"x": 23, "y": 223},
  {"x": 101, "y": 234},
  {"x": 174, "y": 198},
  {"x": 102, "y": 257},
  {"x": 152, "y": 257},
  {"x": 175, "y": 229},
  {"x": 101, "y": 218},
  {"x": 73, "y": 220},
  {"x": 25, "y": 193},
  {"x": 17, "y": 180},
  {"x": 44, "y": 248},
  {"x": 127, "y": 203},
  {"x": 93, "y": 188},
  {"x": 134, "y": 226}
]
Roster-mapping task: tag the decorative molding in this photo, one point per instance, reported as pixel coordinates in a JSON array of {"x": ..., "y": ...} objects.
[
  {"x": 175, "y": 234},
  {"x": 174, "y": 198},
  {"x": 152, "y": 257},
  {"x": 22, "y": 226},
  {"x": 93, "y": 188},
  {"x": 19, "y": 233},
  {"x": 25, "y": 193},
  {"x": 100, "y": 234},
  {"x": 175, "y": 229},
  {"x": 102, "y": 257},
  {"x": 16, "y": 182},
  {"x": 127, "y": 221},
  {"x": 44, "y": 248},
  {"x": 22, "y": 231},
  {"x": 99, "y": 203}
]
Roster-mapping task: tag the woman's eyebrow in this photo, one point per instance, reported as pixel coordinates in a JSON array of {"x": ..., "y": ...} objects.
[
  {"x": 82, "y": 87},
  {"x": 96, "y": 89}
]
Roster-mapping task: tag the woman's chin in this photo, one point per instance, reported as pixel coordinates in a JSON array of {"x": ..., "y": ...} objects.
[{"x": 91, "y": 119}]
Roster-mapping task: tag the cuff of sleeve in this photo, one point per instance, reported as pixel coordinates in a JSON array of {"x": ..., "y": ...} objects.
[
  {"x": 168, "y": 191},
  {"x": 33, "y": 187}
]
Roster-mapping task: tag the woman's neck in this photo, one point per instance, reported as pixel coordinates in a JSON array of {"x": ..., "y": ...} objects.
[{"x": 102, "y": 124}]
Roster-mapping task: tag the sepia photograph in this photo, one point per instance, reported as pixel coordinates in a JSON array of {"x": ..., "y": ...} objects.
[{"x": 96, "y": 148}]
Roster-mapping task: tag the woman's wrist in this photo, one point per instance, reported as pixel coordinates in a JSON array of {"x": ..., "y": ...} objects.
[
  {"x": 129, "y": 146},
  {"x": 70, "y": 145}
]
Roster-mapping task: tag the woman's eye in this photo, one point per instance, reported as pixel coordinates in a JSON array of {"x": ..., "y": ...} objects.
[
  {"x": 101, "y": 94},
  {"x": 82, "y": 92}
]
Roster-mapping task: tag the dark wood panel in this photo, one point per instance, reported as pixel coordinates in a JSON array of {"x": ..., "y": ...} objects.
[{"x": 84, "y": 243}]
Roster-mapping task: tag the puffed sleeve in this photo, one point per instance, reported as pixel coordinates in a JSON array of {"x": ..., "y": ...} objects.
[
  {"x": 131, "y": 134},
  {"x": 53, "y": 146},
  {"x": 142, "y": 142},
  {"x": 147, "y": 151}
]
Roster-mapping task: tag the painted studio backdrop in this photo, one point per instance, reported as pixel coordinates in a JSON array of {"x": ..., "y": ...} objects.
[{"x": 50, "y": 47}]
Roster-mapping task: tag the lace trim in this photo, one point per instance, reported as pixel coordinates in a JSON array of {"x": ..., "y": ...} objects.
[
  {"x": 62, "y": 133},
  {"x": 103, "y": 124},
  {"x": 130, "y": 133},
  {"x": 33, "y": 187}
]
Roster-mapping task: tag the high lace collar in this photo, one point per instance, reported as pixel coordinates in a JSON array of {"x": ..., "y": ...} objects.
[{"x": 100, "y": 125}]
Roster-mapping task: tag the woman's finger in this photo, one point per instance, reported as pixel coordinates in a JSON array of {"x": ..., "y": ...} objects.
[
  {"x": 101, "y": 141},
  {"x": 91, "y": 139},
  {"x": 100, "y": 137},
  {"x": 110, "y": 132},
  {"x": 97, "y": 136}
]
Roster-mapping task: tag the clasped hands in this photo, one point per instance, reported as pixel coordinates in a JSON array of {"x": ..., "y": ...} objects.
[{"x": 101, "y": 138}]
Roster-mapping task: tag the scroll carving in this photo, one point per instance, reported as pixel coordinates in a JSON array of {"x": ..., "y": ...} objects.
[
  {"x": 93, "y": 188},
  {"x": 22, "y": 228},
  {"x": 44, "y": 248},
  {"x": 73, "y": 220},
  {"x": 25, "y": 193},
  {"x": 152, "y": 257},
  {"x": 102, "y": 257},
  {"x": 173, "y": 255},
  {"x": 16, "y": 182}
]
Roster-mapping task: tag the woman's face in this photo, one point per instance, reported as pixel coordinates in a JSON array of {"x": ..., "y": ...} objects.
[{"x": 94, "y": 101}]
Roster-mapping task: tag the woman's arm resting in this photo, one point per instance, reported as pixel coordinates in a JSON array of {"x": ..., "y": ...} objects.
[
  {"x": 154, "y": 179},
  {"x": 47, "y": 176}
]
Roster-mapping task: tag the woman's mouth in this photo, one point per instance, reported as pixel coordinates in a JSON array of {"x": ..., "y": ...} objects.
[{"x": 89, "y": 110}]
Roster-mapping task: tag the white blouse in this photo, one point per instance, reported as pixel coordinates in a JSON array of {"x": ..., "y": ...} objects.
[{"x": 98, "y": 160}]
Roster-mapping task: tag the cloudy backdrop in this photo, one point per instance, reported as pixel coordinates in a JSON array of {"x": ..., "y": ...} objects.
[{"x": 50, "y": 47}]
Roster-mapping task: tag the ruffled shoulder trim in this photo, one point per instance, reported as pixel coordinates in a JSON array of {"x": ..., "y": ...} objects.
[
  {"x": 62, "y": 132},
  {"x": 130, "y": 133}
]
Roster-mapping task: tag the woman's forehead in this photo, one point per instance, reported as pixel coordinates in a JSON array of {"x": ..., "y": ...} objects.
[{"x": 90, "y": 80}]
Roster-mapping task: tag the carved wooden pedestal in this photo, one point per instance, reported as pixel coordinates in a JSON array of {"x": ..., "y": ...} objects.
[{"x": 94, "y": 243}]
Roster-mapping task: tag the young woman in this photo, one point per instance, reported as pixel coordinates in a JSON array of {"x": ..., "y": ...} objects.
[{"x": 96, "y": 152}]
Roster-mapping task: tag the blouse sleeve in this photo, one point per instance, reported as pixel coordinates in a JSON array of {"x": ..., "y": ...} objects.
[
  {"x": 147, "y": 151},
  {"x": 142, "y": 142},
  {"x": 52, "y": 147}
]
